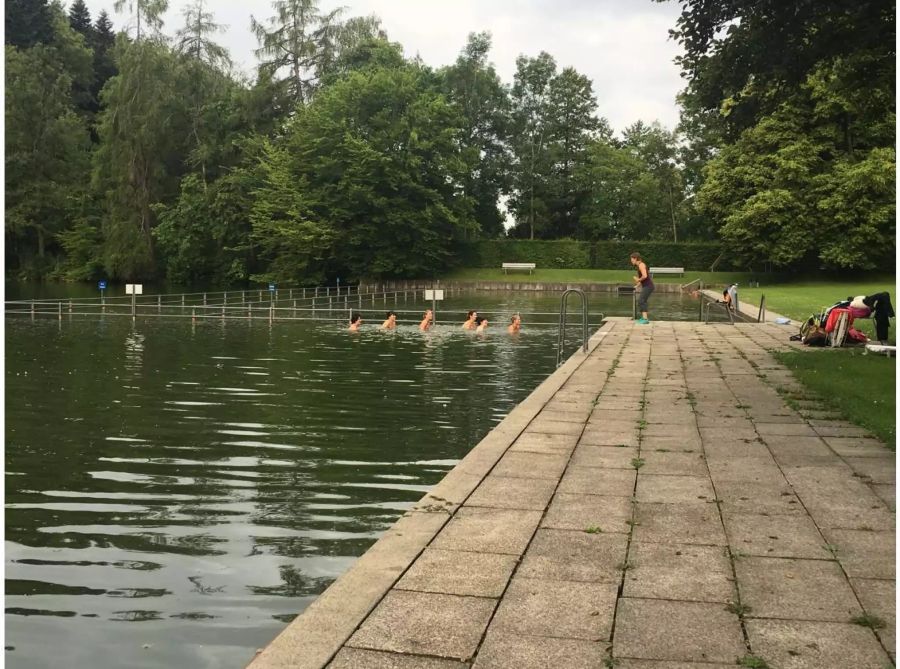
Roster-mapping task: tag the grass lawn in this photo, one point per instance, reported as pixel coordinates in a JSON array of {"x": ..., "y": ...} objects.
[
  {"x": 622, "y": 276},
  {"x": 860, "y": 387},
  {"x": 799, "y": 300}
]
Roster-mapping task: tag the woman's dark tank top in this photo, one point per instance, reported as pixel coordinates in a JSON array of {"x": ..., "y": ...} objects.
[{"x": 648, "y": 282}]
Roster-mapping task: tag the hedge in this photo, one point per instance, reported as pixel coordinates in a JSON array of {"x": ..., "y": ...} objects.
[{"x": 571, "y": 254}]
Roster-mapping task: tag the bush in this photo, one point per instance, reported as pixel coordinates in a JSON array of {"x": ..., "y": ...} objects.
[{"x": 570, "y": 254}]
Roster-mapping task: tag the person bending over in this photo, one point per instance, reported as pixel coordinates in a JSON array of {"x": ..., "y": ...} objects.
[
  {"x": 427, "y": 321},
  {"x": 470, "y": 320},
  {"x": 390, "y": 322},
  {"x": 355, "y": 322}
]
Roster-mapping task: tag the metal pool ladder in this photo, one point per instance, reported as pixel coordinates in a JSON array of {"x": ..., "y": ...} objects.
[{"x": 563, "y": 310}]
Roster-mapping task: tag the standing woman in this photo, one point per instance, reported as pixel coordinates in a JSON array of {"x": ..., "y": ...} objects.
[{"x": 644, "y": 283}]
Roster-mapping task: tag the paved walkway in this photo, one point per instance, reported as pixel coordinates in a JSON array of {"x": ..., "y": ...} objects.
[{"x": 665, "y": 509}]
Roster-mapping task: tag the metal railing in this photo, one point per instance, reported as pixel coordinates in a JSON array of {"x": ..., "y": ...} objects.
[
  {"x": 706, "y": 304},
  {"x": 761, "y": 316},
  {"x": 563, "y": 310}
]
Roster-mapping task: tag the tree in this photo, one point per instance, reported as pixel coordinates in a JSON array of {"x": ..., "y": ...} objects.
[
  {"x": 298, "y": 39},
  {"x": 657, "y": 148},
  {"x": 376, "y": 156},
  {"x": 147, "y": 13},
  {"x": 46, "y": 142},
  {"x": 571, "y": 121},
  {"x": 530, "y": 132},
  {"x": 473, "y": 86},
  {"x": 143, "y": 132},
  {"x": 195, "y": 38},
  {"x": 28, "y": 22},
  {"x": 80, "y": 20}
]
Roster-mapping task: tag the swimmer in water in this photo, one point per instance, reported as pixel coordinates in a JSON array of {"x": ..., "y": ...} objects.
[
  {"x": 470, "y": 320},
  {"x": 515, "y": 324},
  {"x": 427, "y": 321},
  {"x": 355, "y": 322},
  {"x": 482, "y": 324},
  {"x": 391, "y": 322}
]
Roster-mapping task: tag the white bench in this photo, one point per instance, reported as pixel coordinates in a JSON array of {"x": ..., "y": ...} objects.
[
  {"x": 667, "y": 270},
  {"x": 530, "y": 266}
]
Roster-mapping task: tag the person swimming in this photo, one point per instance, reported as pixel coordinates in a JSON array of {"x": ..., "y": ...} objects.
[
  {"x": 482, "y": 324},
  {"x": 427, "y": 321},
  {"x": 471, "y": 316},
  {"x": 390, "y": 322},
  {"x": 355, "y": 322},
  {"x": 515, "y": 324}
]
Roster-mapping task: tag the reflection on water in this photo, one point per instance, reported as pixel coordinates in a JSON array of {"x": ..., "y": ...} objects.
[{"x": 177, "y": 492}]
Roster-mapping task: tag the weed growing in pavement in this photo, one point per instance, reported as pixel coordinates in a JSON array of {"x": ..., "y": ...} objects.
[{"x": 868, "y": 620}]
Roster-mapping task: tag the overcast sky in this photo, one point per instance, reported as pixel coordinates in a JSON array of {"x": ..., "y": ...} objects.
[{"x": 622, "y": 45}]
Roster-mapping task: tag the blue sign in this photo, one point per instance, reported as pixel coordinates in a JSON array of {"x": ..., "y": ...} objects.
[
  {"x": 272, "y": 287},
  {"x": 101, "y": 285}
]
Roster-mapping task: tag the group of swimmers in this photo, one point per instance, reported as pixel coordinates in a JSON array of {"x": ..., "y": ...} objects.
[{"x": 473, "y": 322}]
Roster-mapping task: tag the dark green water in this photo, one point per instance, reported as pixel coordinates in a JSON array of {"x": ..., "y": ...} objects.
[{"x": 177, "y": 492}]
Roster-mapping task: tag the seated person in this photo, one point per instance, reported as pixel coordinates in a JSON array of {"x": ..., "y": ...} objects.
[
  {"x": 355, "y": 322},
  {"x": 427, "y": 321},
  {"x": 470, "y": 320},
  {"x": 391, "y": 322},
  {"x": 726, "y": 299},
  {"x": 482, "y": 324},
  {"x": 515, "y": 324}
]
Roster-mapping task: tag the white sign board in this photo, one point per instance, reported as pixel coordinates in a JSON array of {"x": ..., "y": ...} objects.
[
  {"x": 434, "y": 295},
  {"x": 134, "y": 289}
]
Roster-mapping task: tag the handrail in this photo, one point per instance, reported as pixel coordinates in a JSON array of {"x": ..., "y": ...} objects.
[
  {"x": 563, "y": 304},
  {"x": 699, "y": 283},
  {"x": 711, "y": 303},
  {"x": 761, "y": 316}
]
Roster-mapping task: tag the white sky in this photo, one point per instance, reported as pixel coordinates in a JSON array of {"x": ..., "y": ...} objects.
[{"x": 622, "y": 45}]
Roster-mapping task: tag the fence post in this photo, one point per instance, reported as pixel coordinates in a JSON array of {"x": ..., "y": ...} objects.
[{"x": 60, "y": 310}]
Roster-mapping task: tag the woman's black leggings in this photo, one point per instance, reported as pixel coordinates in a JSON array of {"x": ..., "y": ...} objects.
[{"x": 643, "y": 297}]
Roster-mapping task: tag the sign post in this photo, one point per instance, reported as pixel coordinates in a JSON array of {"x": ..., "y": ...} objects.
[
  {"x": 435, "y": 296},
  {"x": 134, "y": 289},
  {"x": 102, "y": 286},
  {"x": 272, "y": 289}
]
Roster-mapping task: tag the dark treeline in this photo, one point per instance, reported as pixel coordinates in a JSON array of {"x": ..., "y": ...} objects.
[{"x": 142, "y": 156}]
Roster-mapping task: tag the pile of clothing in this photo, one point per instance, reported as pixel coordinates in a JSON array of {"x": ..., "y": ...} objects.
[{"x": 819, "y": 329}]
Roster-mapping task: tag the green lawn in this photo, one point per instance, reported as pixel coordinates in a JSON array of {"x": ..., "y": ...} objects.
[
  {"x": 799, "y": 300},
  {"x": 861, "y": 387},
  {"x": 592, "y": 276}
]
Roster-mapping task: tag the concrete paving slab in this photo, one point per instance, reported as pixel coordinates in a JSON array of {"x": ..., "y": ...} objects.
[
  {"x": 881, "y": 469},
  {"x": 694, "y": 523},
  {"x": 676, "y": 631},
  {"x": 851, "y": 431},
  {"x": 596, "y": 481},
  {"x": 857, "y": 447},
  {"x": 673, "y": 489},
  {"x": 863, "y": 553},
  {"x": 357, "y": 658},
  {"x": 665, "y": 664},
  {"x": 672, "y": 463},
  {"x": 790, "y": 536},
  {"x": 679, "y": 572},
  {"x": 484, "y": 530},
  {"x": 502, "y": 650},
  {"x": 561, "y": 555},
  {"x": 426, "y": 624},
  {"x": 839, "y": 511},
  {"x": 755, "y": 497},
  {"x": 680, "y": 444},
  {"x": 605, "y": 416},
  {"x": 555, "y": 426},
  {"x": 599, "y": 434},
  {"x": 582, "y": 512},
  {"x": 459, "y": 573},
  {"x": 505, "y": 492},
  {"x": 747, "y": 469},
  {"x": 879, "y": 599},
  {"x": 570, "y": 416},
  {"x": 657, "y": 430},
  {"x": 784, "y": 429},
  {"x": 798, "y": 589},
  {"x": 566, "y": 609},
  {"x": 605, "y": 457},
  {"x": 531, "y": 465},
  {"x": 539, "y": 442},
  {"x": 815, "y": 645},
  {"x": 887, "y": 493}
]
